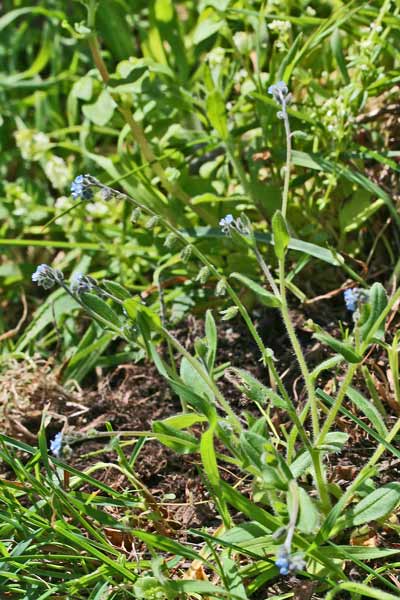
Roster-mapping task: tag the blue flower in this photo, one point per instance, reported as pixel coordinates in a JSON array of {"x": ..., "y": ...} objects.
[
  {"x": 80, "y": 188},
  {"x": 278, "y": 91},
  {"x": 46, "y": 277},
  {"x": 289, "y": 563},
  {"x": 351, "y": 297},
  {"x": 56, "y": 444},
  {"x": 80, "y": 283},
  {"x": 282, "y": 562},
  {"x": 226, "y": 223}
]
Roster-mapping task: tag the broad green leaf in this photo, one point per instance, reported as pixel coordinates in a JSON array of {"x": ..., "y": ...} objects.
[
  {"x": 101, "y": 111},
  {"x": 206, "y": 29},
  {"x": 267, "y": 298},
  {"x": 377, "y": 303},
  {"x": 233, "y": 578},
  {"x": 376, "y": 505},
  {"x": 281, "y": 235},
  {"x": 368, "y": 409},
  {"x": 309, "y": 516},
  {"x": 101, "y": 309},
  {"x": 176, "y": 439},
  {"x": 212, "y": 339},
  {"x": 337, "y": 49},
  {"x": 193, "y": 380},
  {"x": 342, "y": 348},
  {"x": 116, "y": 289},
  {"x": 216, "y": 113}
]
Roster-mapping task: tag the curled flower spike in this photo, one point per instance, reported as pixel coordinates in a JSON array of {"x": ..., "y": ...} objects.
[
  {"x": 350, "y": 299},
  {"x": 353, "y": 297},
  {"x": 56, "y": 444},
  {"x": 226, "y": 223},
  {"x": 279, "y": 91},
  {"x": 289, "y": 563},
  {"x": 80, "y": 188},
  {"x": 242, "y": 225},
  {"x": 81, "y": 283},
  {"x": 46, "y": 277}
]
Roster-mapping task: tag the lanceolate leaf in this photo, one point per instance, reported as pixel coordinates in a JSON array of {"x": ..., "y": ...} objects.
[{"x": 267, "y": 298}]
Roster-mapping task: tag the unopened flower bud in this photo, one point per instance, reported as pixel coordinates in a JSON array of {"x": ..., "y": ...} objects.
[
  {"x": 152, "y": 222},
  {"x": 203, "y": 275},
  {"x": 170, "y": 241},
  {"x": 186, "y": 253},
  {"x": 229, "y": 313},
  {"x": 136, "y": 214},
  {"x": 220, "y": 289}
]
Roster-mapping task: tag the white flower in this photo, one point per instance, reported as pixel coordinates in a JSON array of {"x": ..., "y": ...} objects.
[
  {"x": 32, "y": 144},
  {"x": 242, "y": 41},
  {"x": 216, "y": 57},
  {"x": 278, "y": 26},
  {"x": 57, "y": 172}
]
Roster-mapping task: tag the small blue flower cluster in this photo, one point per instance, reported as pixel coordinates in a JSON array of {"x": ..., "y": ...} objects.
[
  {"x": 226, "y": 223},
  {"x": 281, "y": 94},
  {"x": 353, "y": 297},
  {"x": 81, "y": 283},
  {"x": 289, "y": 563},
  {"x": 278, "y": 91},
  {"x": 46, "y": 277},
  {"x": 80, "y": 188},
  {"x": 56, "y": 444},
  {"x": 350, "y": 299},
  {"x": 241, "y": 225}
]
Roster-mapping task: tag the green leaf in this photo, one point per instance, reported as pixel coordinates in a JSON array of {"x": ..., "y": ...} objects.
[
  {"x": 281, "y": 235},
  {"x": 193, "y": 380},
  {"x": 165, "y": 544},
  {"x": 336, "y": 45},
  {"x": 267, "y": 298},
  {"x": 206, "y": 29},
  {"x": 309, "y": 516},
  {"x": 101, "y": 309},
  {"x": 233, "y": 578},
  {"x": 342, "y": 348},
  {"x": 210, "y": 466},
  {"x": 377, "y": 303},
  {"x": 376, "y": 505},
  {"x": 212, "y": 339},
  {"x": 252, "y": 446},
  {"x": 101, "y": 111},
  {"x": 116, "y": 289},
  {"x": 176, "y": 439},
  {"x": 369, "y": 410},
  {"x": 257, "y": 391},
  {"x": 334, "y": 441},
  {"x": 217, "y": 114},
  {"x": 314, "y": 161},
  {"x": 59, "y": 303},
  {"x": 208, "y": 458}
]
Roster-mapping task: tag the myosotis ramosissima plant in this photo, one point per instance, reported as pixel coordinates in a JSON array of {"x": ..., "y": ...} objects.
[{"x": 249, "y": 446}]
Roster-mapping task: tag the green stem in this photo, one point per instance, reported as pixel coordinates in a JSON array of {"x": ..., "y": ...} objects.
[
  {"x": 330, "y": 419},
  {"x": 206, "y": 378},
  {"x": 298, "y": 351},
  {"x": 312, "y": 399},
  {"x": 285, "y": 194},
  {"x": 239, "y": 170}
]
